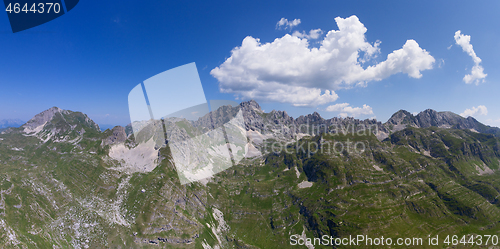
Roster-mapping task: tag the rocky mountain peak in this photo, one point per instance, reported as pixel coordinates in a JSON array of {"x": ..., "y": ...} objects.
[
  {"x": 118, "y": 135},
  {"x": 431, "y": 117},
  {"x": 429, "y": 112},
  {"x": 316, "y": 115},
  {"x": 41, "y": 119},
  {"x": 279, "y": 114},
  {"x": 62, "y": 125},
  {"x": 251, "y": 105},
  {"x": 401, "y": 117},
  {"x": 313, "y": 118}
]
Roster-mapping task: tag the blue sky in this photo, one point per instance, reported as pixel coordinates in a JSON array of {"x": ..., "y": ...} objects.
[{"x": 90, "y": 58}]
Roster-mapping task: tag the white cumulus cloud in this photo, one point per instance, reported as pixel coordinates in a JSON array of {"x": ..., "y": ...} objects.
[
  {"x": 290, "y": 65},
  {"x": 283, "y": 22},
  {"x": 346, "y": 110},
  {"x": 313, "y": 34},
  {"x": 475, "y": 111},
  {"x": 477, "y": 75},
  {"x": 295, "y": 95}
]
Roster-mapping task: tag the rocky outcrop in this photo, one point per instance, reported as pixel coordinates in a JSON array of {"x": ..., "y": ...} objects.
[
  {"x": 401, "y": 117},
  {"x": 118, "y": 136},
  {"x": 59, "y": 125},
  {"x": 314, "y": 118},
  {"x": 429, "y": 117},
  {"x": 38, "y": 121}
]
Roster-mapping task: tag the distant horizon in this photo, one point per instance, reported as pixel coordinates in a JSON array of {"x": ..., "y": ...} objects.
[{"x": 104, "y": 126}]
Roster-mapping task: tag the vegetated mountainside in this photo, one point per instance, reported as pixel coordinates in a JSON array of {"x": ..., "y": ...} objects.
[{"x": 65, "y": 184}]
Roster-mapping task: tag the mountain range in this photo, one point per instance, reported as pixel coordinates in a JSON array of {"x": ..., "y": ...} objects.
[
  {"x": 66, "y": 184},
  {"x": 6, "y": 123}
]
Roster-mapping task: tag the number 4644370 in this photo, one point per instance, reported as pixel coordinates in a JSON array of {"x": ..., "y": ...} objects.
[
  {"x": 34, "y": 8},
  {"x": 472, "y": 240}
]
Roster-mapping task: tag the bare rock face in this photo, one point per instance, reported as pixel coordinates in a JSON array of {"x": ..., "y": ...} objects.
[
  {"x": 39, "y": 120},
  {"x": 118, "y": 136},
  {"x": 429, "y": 117},
  {"x": 60, "y": 120},
  {"x": 281, "y": 126},
  {"x": 59, "y": 125},
  {"x": 314, "y": 118},
  {"x": 401, "y": 117},
  {"x": 251, "y": 105},
  {"x": 252, "y": 115},
  {"x": 217, "y": 117}
]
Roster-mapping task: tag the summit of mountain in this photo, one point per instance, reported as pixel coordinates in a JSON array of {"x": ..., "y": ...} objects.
[
  {"x": 62, "y": 125},
  {"x": 427, "y": 118}
]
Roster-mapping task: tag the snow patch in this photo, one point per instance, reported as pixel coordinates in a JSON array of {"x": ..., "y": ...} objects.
[
  {"x": 251, "y": 151},
  {"x": 484, "y": 170},
  {"x": 297, "y": 172},
  {"x": 303, "y": 236},
  {"x": 35, "y": 130},
  {"x": 257, "y": 137},
  {"x": 217, "y": 230},
  {"x": 76, "y": 140},
  {"x": 11, "y": 234},
  {"x": 301, "y": 135},
  {"x": 305, "y": 184},
  {"x": 205, "y": 245},
  {"x": 142, "y": 158}
]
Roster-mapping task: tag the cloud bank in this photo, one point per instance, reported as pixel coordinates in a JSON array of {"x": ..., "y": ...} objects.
[
  {"x": 477, "y": 75},
  {"x": 346, "y": 110},
  {"x": 475, "y": 111},
  {"x": 492, "y": 122},
  {"x": 289, "y": 70}
]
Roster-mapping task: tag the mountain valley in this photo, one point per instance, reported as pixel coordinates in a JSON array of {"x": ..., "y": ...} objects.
[{"x": 66, "y": 184}]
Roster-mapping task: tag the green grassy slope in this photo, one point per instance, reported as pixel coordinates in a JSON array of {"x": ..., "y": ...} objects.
[{"x": 417, "y": 182}]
